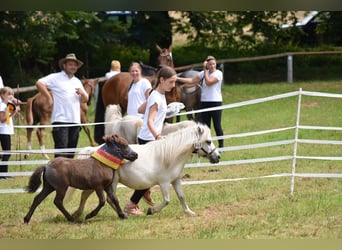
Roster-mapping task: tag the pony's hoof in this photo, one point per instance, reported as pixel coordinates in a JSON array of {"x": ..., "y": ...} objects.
[
  {"x": 26, "y": 220},
  {"x": 123, "y": 216},
  {"x": 149, "y": 211}
]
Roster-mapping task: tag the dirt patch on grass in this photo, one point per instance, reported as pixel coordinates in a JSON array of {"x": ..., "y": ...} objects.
[{"x": 310, "y": 104}]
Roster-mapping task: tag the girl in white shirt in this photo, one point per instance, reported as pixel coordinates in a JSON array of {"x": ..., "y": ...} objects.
[
  {"x": 151, "y": 129},
  {"x": 7, "y": 111}
]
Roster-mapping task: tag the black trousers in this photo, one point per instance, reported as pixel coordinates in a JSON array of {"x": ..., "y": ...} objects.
[
  {"x": 5, "y": 145},
  {"x": 138, "y": 194},
  {"x": 65, "y": 137},
  {"x": 215, "y": 116}
]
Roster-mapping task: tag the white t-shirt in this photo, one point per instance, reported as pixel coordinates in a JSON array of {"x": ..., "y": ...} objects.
[
  {"x": 160, "y": 99},
  {"x": 66, "y": 103},
  {"x": 111, "y": 73},
  {"x": 1, "y": 83},
  {"x": 213, "y": 92},
  {"x": 6, "y": 129},
  {"x": 136, "y": 96}
]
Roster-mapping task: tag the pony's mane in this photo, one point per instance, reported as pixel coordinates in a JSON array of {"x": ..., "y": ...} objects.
[
  {"x": 183, "y": 137},
  {"x": 113, "y": 111}
]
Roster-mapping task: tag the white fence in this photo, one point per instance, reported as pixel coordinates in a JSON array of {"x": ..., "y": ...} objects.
[{"x": 295, "y": 141}]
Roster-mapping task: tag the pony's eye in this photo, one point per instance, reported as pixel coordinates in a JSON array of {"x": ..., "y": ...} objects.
[{"x": 208, "y": 142}]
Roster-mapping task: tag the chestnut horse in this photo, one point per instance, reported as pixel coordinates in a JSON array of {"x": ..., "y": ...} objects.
[
  {"x": 84, "y": 174},
  {"x": 37, "y": 112},
  {"x": 115, "y": 90}
]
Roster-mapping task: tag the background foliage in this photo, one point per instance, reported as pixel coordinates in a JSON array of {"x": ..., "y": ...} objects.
[{"x": 33, "y": 41}]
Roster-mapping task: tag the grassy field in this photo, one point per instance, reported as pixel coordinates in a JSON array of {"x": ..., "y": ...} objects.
[{"x": 257, "y": 208}]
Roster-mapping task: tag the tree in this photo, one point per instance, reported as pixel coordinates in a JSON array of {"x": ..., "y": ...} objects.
[
  {"x": 150, "y": 28},
  {"x": 30, "y": 43},
  {"x": 236, "y": 30}
]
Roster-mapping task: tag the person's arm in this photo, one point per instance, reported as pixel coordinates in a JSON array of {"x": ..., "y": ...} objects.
[
  {"x": 2, "y": 116},
  {"x": 44, "y": 91},
  {"x": 83, "y": 95},
  {"x": 209, "y": 80},
  {"x": 142, "y": 108},
  {"x": 189, "y": 81},
  {"x": 150, "y": 122},
  {"x": 193, "y": 80}
]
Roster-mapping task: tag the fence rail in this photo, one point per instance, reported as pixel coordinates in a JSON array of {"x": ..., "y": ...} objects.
[
  {"x": 288, "y": 55},
  {"x": 292, "y": 157}
]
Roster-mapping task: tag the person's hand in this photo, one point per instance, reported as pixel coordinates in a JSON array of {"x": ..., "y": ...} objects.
[
  {"x": 79, "y": 91},
  {"x": 205, "y": 65}
]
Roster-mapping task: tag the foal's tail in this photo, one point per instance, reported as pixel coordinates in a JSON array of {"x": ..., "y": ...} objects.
[{"x": 35, "y": 180}]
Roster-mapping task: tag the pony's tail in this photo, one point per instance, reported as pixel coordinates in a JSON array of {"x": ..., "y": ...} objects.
[{"x": 35, "y": 180}]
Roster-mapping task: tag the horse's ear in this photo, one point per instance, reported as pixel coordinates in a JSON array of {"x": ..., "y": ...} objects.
[
  {"x": 158, "y": 48},
  {"x": 115, "y": 137},
  {"x": 200, "y": 129},
  {"x": 105, "y": 138}
]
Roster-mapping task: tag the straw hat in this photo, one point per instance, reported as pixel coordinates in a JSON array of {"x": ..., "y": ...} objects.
[{"x": 70, "y": 56}]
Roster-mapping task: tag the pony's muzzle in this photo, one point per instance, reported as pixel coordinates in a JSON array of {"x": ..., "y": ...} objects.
[
  {"x": 131, "y": 155},
  {"x": 214, "y": 157}
]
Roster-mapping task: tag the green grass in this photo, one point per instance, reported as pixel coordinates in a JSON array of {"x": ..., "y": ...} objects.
[{"x": 248, "y": 209}]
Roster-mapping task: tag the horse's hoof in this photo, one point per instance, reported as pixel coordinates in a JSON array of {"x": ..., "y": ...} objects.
[
  {"x": 123, "y": 216},
  {"x": 149, "y": 211},
  {"x": 72, "y": 219},
  {"x": 26, "y": 220}
]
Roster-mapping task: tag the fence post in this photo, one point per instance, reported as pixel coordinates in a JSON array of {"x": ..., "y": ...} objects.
[
  {"x": 222, "y": 69},
  {"x": 294, "y": 161},
  {"x": 290, "y": 68}
]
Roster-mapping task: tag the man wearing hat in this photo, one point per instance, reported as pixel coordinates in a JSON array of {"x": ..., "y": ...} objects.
[
  {"x": 67, "y": 94},
  {"x": 211, "y": 80}
]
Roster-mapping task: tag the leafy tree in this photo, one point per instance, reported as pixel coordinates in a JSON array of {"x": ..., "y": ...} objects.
[
  {"x": 150, "y": 28},
  {"x": 236, "y": 30}
]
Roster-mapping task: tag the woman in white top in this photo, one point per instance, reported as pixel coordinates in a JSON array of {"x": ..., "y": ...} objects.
[
  {"x": 7, "y": 111},
  {"x": 139, "y": 90},
  {"x": 151, "y": 129},
  {"x": 211, "y": 80}
]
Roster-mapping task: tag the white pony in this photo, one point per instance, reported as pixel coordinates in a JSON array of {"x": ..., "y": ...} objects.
[
  {"x": 161, "y": 163},
  {"x": 129, "y": 125}
]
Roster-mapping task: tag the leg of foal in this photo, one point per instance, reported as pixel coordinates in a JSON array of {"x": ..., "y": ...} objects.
[
  {"x": 47, "y": 189},
  {"x": 112, "y": 199},
  {"x": 165, "y": 189},
  {"x": 84, "y": 196},
  {"x": 102, "y": 202},
  {"x": 58, "y": 201},
  {"x": 177, "y": 185}
]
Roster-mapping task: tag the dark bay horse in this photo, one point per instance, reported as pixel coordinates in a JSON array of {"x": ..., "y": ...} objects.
[
  {"x": 37, "y": 112},
  {"x": 190, "y": 95},
  {"x": 84, "y": 174}
]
